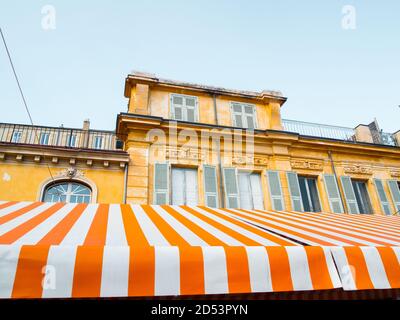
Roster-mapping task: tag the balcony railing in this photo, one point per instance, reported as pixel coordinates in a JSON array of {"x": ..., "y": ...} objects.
[
  {"x": 332, "y": 132},
  {"x": 59, "y": 137}
]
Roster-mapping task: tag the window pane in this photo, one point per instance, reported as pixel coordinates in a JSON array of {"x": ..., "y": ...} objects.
[
  {"x": 312, "y": 187},
  {"x": 250, "y": 122},
  {"x": 304, "y": 194},
  {"x": 178, "y": 113},
  {"x": 237, "y": 108},
  {"x": 238, "y": 120},
  {"x": 68, "y": 192},
  {"x": 190, "y": 102},
  {"x": 190, "y": 115},
  {"x": 177, "y": 100},
  {"x": 248, "y": 109}
]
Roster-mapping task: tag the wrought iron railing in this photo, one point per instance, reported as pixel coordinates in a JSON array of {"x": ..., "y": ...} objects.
[
  {"x": 59, "y": 137},
  {"x": 329, "y": 131}
]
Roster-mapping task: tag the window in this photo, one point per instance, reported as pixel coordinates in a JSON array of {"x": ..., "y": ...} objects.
[
  {"x": 184, "y": 187},
  {"x": 16, "y": 136},
  {"x": 309, "y": 194},
  {"x": 73, "y": 192},
  {"x": 250, "y": 192},
  {"x": 44, "y": 138},
  {"x": 184, "y": 108},
  {"x": 71, "y": 140},
  {"x": 362, "y": 198},
  {"x": 243, "y": 115},
  {"x": 98, "y": 142}
]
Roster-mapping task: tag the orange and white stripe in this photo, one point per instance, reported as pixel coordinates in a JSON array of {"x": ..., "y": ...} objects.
[
  {"x": 109, "y": 271},
  {"x": 58, "y": 250},
  {"x": 324, "y": 229}
]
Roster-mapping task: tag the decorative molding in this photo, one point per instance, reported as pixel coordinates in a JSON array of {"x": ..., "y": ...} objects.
[
  {"x": 255, "y": 160},
  {"x": 307, "y": 164},
  {"x": 358, "y": 169},
  {"x": 395, "y": 173},
  {"x": 184, "y": 153},
  {"x": 70, "y": 173}
]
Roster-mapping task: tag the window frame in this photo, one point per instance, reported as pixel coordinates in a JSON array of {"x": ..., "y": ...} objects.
[
  {"x": 315, "y": 178},
  {"x": 243, "y": 115},
  {"x": 95, "y": 140},
  {"x": 69, "y": 184},
  {"x": 47, "y": 138},
  {"x": 184, "y": 107},
  {"x": 184, "y": 169},
  {"x": 357, "y": 193},
  {"x": 19, "y": 134}
]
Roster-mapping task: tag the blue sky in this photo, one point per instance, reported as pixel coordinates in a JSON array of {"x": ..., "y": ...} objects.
[{"x": 77, "y": 71}]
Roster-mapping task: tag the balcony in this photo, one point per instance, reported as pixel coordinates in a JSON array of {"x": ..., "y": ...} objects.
[
  {"x": 340, "y": 133},
  {"x": 59, "y": 137}
]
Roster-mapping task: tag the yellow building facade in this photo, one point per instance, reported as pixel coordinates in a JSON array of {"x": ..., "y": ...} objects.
[{"x": 189, "y": 144}]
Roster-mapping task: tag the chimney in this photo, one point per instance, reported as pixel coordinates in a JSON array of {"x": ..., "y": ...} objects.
[{"x": 86, "y": 124}]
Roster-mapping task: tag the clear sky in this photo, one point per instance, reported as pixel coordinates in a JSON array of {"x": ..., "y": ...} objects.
[{"x": 329, "y": 74}]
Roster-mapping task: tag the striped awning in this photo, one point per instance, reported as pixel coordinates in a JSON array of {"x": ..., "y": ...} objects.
[{"x": 100, "y": 250}]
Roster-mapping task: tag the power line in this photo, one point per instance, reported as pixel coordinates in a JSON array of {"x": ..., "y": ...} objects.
[{"x": 22, "y": 94}]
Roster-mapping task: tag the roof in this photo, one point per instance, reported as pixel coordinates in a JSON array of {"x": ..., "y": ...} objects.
[
  {"x": 120, "y": 250},
  {"x": 152, "y": 78}
]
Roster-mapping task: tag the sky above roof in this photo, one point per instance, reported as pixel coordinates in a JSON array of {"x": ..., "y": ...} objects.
[{"x": 337, "y": 65}]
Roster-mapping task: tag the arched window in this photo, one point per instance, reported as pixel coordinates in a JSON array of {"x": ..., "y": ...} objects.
[{"x": 67, "y": 191}]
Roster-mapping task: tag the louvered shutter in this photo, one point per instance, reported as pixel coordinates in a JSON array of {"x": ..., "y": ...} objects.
[
  {"x": 231, "y": 188},
  {"x": 190, "y": 106},
  {"x": 161, "y": 183},
  {"x": 294, "y": 189},
  {"x": 382, "y": 196},
  {"x": 275, "y": 190},
  {"x": 395, "y": 193},
  {"x": 332, "y": 191},
  {"x": 250, "y": 116},
  {"x": 210, "y": 186},
  {"x": 349, "y": 194},
  {"x": 176, "y": 107}
]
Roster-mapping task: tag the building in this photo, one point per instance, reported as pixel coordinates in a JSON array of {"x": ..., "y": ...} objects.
[
  {"x": 182, "y": 143},
  {"x": 61, "y": 164}
]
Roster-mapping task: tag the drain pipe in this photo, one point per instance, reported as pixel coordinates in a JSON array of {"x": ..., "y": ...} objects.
[
  {"x": 221, "y": 187},
  {"x": 337, "y": 180},
  {"x": 125, "y": 182}
]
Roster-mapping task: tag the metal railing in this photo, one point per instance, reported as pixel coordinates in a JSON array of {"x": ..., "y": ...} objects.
[
  {"x": 331, "y": 132},
  {"x": 58, "y": 137}
]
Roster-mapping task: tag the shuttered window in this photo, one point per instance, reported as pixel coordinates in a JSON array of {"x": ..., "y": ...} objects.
[
  {"x": 349, "y": 194},
  {"x": 294, "y": 189},
  {"x": 243, "y": 115},
  {"x": 332, "y": 191},
  {"x": 184, "y": 108},
  {"x": 161, "y": 183},
  {"x": 382, "y": 196},
  {"x": 250, "y": 191},
  {"x": 395, "y": 193},
  {"x": 309, "y": 194},
  {"x": 210, "y": 186},
  {"x": 275, "y": 190},
  {"x": 231, "y": 188},
  {"x": 184, "y": 186},
  {"x": 362, "y": 197}
]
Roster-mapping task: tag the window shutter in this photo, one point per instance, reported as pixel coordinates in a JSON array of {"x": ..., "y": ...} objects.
[
  {"x": 294, "y": 189},
  {"x": 349, "y": 194},
  {"x": 275, "y": 190},
  {"x": 231, "y": 188},
  {"x": 382, "y": 196},
  {"x": 332, "y": 191},
  {"x": 210, "y": 186},
  {"x": 395, "y": 193},
  {"x": 161, "y": 183}
]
